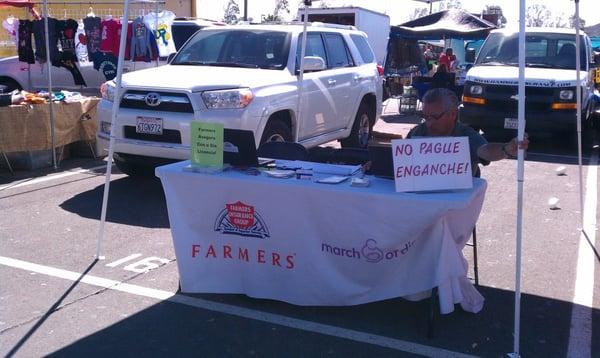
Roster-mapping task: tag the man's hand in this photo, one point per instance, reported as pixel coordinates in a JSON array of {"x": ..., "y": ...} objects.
[{"x": 511, "y": 148}]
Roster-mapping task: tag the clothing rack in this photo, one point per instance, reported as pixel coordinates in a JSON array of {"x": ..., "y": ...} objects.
[{"x": 46, "y": 13}]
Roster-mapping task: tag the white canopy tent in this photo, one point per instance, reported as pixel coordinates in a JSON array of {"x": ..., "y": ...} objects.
[{"x": 520, "y": 136}]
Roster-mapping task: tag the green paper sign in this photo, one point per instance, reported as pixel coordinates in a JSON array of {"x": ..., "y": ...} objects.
[{"x": 207, "y": 144}]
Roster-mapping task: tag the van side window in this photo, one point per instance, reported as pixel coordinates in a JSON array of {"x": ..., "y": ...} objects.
[
  {"x": 314, "y": 47},
  {"x": 363, "y": 47},
  {"x": 337, "y": 51}
]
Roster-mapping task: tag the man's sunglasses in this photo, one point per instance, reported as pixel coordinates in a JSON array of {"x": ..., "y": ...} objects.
[{"x": 434, "y": 117}]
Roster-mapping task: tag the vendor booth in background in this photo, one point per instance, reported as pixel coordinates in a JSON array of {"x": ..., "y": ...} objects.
[{"x": 406, "y": 63}]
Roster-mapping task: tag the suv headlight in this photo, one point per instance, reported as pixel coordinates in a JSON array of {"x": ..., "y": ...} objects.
[
  {"x": 227, "y": 99},
  {"x": 566, "y": 95},
  {"x": 107, "y": 90},
  {"x": 475, "y": 89}
]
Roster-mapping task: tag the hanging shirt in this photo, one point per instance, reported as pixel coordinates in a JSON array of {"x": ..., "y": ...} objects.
[
  {"x": 40, "y": 41},
  {"x": 160, "y": 25},
  {"x": 110, "y": 35},
  {"x": 25, "y": 49},
  {"x": 11, "y": 25},
  {"x": 93, "y": 34},
  {"x": 141, "y": 45},
  {"x": 66, "y": 30},
  {"x": 81, "y": 43},
  {"x": 105, "y": 63}
]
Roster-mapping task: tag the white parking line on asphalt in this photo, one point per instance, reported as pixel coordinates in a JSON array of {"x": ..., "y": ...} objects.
[
  {"x": 266, "y": 317},
  {"x": 50, "y": 177},
  {"x": 580, "y": 336}
]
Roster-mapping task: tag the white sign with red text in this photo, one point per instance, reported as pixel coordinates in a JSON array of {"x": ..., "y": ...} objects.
[{"x": 432, "y": 163}]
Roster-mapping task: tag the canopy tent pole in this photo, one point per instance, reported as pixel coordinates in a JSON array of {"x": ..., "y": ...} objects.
[
  {"x": 578, "y": 94},
  {"x": 302, "y": 53},
  {"x": 520, "y": 179},
  {"x": 115, "y": 109},
  {"x": 48, "y": 68}
]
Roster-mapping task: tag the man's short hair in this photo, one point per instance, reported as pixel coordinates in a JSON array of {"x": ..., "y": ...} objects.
[{"x": 443, "y": 95}]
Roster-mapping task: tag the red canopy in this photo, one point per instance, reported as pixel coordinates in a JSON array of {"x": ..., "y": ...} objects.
[{"x": 16, "y": 3}]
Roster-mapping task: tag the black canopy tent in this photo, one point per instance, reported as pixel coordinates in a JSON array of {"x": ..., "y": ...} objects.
[
  {"x": 451, "y": 23},
  {"x": 404, "y": 55}
]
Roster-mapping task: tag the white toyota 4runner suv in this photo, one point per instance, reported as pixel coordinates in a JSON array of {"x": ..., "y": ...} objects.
[{"x": 246, "y": 77}]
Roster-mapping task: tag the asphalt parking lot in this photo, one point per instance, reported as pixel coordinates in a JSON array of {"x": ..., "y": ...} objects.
[{"x": 56, "y": 299}]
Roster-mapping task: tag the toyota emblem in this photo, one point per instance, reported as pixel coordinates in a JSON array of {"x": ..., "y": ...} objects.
[{"x": 152, "y": 99}]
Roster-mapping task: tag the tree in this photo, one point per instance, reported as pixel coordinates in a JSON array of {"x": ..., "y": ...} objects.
[
  {"x": 280, "y": 6},
  {"x": 537, "y": 15},
  {"x": 495, "y": 11},
  {"x": 449, "y": 4},
  {"x": 232, "y": 11},
  {"x": 572, "y": 22},
  {"x": 418, "y": 12}
]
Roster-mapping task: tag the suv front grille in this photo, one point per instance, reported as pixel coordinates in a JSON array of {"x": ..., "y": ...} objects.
[
  {"x": 168, "y": 136},
  {"x": 170, "y": 102}
]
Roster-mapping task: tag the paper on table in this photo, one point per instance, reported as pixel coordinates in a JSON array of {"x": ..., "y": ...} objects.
[
  {"x": 322, "y": 168},
  {"x": 336, "y": 179}
]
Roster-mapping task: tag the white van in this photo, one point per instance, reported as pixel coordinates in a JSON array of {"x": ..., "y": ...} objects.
[{"x": 490, "y": 92}]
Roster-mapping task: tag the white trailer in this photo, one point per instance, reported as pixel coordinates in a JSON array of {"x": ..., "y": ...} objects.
[{"x": 376, "y": 25}]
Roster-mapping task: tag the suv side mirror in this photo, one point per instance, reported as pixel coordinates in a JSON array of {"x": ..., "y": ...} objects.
[{"x": 314, "y": 63}]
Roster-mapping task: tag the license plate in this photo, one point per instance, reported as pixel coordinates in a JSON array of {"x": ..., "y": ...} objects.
[
  {"x": 149, "y": 125},
  {"x": 511, "y": 123}
]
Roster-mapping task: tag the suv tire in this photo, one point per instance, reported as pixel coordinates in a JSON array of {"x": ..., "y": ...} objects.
[
  {"x": 10, "y": 84},
  {"x": 362, "y": 129},
  {"x": 276, "y": 131}
]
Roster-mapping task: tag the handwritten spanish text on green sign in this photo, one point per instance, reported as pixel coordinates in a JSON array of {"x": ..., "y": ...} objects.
[{"x": 207, "y": 144}]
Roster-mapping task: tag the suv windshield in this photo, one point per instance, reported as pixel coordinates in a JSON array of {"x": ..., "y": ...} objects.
[
  {"x": 236, "y": 48},
  {"x": 542, "y": 50}
]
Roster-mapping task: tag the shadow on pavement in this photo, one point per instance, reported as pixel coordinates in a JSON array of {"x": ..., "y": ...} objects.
[
  {"x": 136, "y": 201},
  {"x": 177, "y": 329}
]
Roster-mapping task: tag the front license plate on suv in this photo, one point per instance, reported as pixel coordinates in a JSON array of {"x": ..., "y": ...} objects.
[
  {"x": 149, "y": 125},
  {"x": 511, "y": 123}
]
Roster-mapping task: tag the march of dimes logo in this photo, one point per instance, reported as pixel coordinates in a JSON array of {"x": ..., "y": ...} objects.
[
  {"x": 241, "y": 219},
  {"x": 369, "y": 251}
]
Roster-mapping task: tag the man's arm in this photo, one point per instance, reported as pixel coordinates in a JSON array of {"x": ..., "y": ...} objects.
[{"x": 498, "y": 151}]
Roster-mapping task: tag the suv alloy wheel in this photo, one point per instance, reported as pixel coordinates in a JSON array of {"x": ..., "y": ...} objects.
[{"x": 362, "y": 129}]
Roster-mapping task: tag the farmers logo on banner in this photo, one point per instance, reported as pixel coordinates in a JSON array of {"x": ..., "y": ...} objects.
[{"x": 241, "y": 219}]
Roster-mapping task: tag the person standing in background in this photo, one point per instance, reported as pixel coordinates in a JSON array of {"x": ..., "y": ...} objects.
[{"x": 448, "y": 58}]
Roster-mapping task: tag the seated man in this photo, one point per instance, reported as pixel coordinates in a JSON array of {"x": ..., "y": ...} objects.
[{"x": 440, "y": 115}]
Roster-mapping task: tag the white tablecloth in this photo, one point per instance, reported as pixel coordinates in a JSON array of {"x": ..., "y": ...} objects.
[{"x": 319, "y": 244}]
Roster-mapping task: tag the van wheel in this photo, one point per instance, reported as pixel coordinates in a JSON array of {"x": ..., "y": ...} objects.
[
  {"x": 276, "y": 131},
  {"x": 10, "y": 84},
  {"x": 362, "y": 129},
  {"x": 134, "y": 170}
]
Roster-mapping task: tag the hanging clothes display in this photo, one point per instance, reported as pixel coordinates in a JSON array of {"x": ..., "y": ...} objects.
[
  {"x": 160, "y": 24},
  {"x": 93, "y": 34},
  {"x": 11, "y": 25},
  {"x": 40, "y": 45},
  {"x": 81, "y": 43},
  {"x": 106, "y": 63},
  {"x": 110, "y": 36},
  {"x": 141, "y": 45},
  {"x": 25, "y": 49},
  {"x": 66, "y": 30}
]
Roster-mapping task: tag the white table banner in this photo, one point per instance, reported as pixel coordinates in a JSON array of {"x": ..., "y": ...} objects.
[{"x": 317, "y": 244}]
